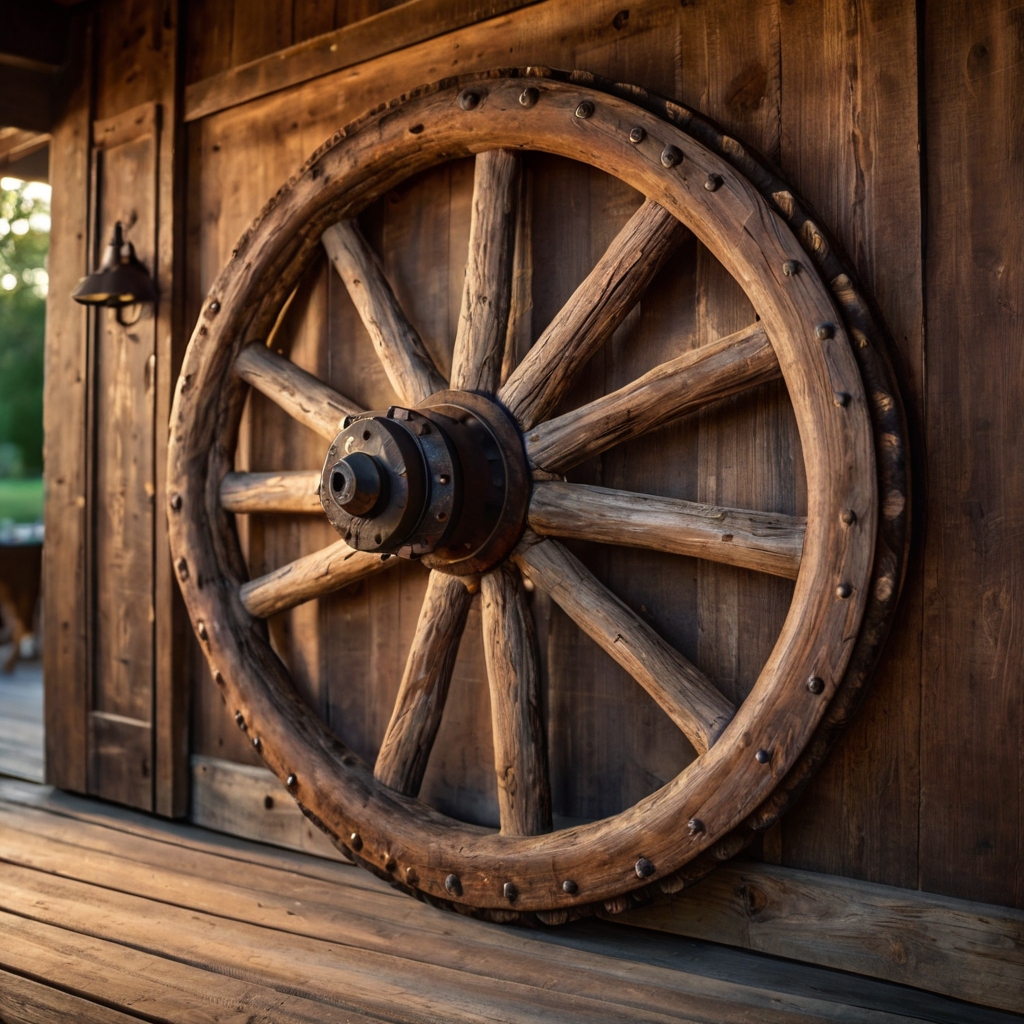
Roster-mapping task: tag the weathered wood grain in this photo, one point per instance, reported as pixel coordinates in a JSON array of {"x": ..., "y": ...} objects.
[
  {"x": 410, "y": 735},
  {"x": 406, "y": 361},
  {"x": 764, "y": 541},
  {"x": 487, "y": 294},
  {"x": 596, "y": 308},
  {"x": 683, "y": 693},
  {"x": 315, "y": 575},
  {"x": 520, "y": 739},
  {"x": 681, "y": 385},
  {"x": 299, "y": 393},
  {"x": 285, "y": 492}
]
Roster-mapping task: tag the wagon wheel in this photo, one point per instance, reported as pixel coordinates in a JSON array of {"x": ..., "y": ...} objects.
[{"x": 465, "y": 476}]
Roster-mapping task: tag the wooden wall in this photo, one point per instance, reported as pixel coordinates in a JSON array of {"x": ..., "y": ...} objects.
[{"x": 899, "y": 123}]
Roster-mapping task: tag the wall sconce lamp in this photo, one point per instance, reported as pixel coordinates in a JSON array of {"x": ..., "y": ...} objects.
[{"x": 121, "y": 280}]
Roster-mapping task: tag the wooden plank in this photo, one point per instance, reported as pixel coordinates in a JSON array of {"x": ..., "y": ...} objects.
[
  {"x": 65, "y": 653},
  {"x": 132, "y": 984},
  {"x": 849, "y": 144},
  {"x": 969, "y": 951},
  {"x": 390, "y": 30},
  {"x": 250, "y": 802},
  {"x": 358, "y": 966},
  {"x": 34, "y": 1002}
]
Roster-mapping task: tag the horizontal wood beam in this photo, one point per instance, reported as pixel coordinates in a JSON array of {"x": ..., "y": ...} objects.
[
  {"x": 970, "y": 951},
  {"x": 405, "y": 25}
]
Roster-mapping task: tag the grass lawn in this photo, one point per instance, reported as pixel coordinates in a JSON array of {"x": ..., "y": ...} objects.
[{"x": 21, "y": 500}]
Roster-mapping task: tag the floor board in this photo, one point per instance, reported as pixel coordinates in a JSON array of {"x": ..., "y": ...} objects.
[
  {"x": 21, "y": 719},
  {"x": 110, "y": 911}
]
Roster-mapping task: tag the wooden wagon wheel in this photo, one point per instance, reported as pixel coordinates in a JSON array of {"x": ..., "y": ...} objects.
[{"x": 465, "y": 476}]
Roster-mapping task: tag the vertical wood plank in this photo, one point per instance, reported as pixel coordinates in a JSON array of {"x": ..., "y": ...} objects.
[
  {"x": 65, "y": 403},
  {"x": 849, "y": 146},
  {"x": 972, "y": 702}
]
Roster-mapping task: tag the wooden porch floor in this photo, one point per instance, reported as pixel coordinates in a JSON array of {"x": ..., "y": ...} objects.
[{"x": 109, "y": 915}]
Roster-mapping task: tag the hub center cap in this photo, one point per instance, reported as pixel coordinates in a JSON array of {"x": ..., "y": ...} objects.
[{"x": 447, "y": 482}]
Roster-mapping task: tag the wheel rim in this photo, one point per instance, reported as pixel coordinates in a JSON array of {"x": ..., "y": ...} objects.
[{"x": 785, "y": 716}]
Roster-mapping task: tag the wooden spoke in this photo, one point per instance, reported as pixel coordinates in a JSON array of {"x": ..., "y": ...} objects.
[
  {"x": 520, "y": 743},
  {"x": 765, "y": 541},
  {"x": 304, "y": 397},
  {"x": 683, "y": 692},
  {"x": 417, "y": 715},
  {"x": 681, "y": 385},
  {"x": 487, "y": 293},
  {"x": 315, "y": 575},
  {"x": 406, "y": 361},
  {"x": 596, "y": 308},
  {"x": 271, "y": 492}
]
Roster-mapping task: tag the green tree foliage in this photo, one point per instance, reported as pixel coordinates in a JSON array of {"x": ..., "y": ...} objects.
[{"x": 24, "y": 240}]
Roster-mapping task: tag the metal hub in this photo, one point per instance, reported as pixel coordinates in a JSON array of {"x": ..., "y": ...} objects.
[{"x": 447, "y": 482}]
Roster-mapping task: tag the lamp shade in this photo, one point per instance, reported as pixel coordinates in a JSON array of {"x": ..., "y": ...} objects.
[{"x": 121, "y": 280}]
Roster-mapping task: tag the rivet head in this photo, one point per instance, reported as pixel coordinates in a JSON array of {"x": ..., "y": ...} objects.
[
  {"x": 584, "y": 110},
  {"x": 696, "y": 826},
  {"x": 713, "y": 183},
  {"x": 510, "y": 891},
  {"x": 528, "y": 97},
  {"x": 389, "y": 863},
  {"x": 355, "y": 840},
  {"x": 842, "y": 399},
  {"x": 570, "y": 887},
  {"x": 468, "y": 99},
  {"x": 214, "y": 306},
  {"x": 453, "y": 884},
  {"x": 175, "y": 502},
  {"x": 239, "y": 719},
  {"x": 762, "y": 756},
  {"x": 411, "y": 876},
  {"x": 791, "y": 268},
  {"x": 257, "y": 742},
  {"x": 637, "y": 135},
  {"x": 644, "y": 868},
  {"x": 824, "y": 331},
  {"x": 815, "y": 684},
  {"x": 182, "y": 566},
  {"x": 848, "y": 517},
  {"x": 218, "y": 678},
  {"x": 291, "y": 782},
  {"x": 844, "y": 590},
  {"x": 670, "y": 156},
  {"x": 201, "y": 630}
]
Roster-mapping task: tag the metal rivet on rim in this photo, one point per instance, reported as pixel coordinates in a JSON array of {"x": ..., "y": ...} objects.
[
  {"x": 453, "y": 884},
  {"x": 355, "y": 840},
  {"x": 842, "y": 399},
  {"x": 824, "y": 331},
  {"x": 670, "y": 156},
  {"x": 762, "y": 756},
  {"x": 239, "y": 719},
  {"x": 528, "y": 97},
  {"x": 584, "y": 110},
  {"x": 844, "y": 590},
  {"x": 815, "y": 684},
  {"x": 291, "y": 782},
  {"x": 848, "y": 517},
  {"x": 214, "y": 306},
  {"x": 791, "y": 268},
  {"x": 714, "y": 182},
  {"x": 411, "y": 876},
  {"x": 218, "y": 678},
  {"x": 696, "y": 826},
  {"x": 570, "y": 887},
  {"x": 637, "y": 135},
  {"x": 644, "y": 868},
  {"x": 257, "y": 742},
  {"x": 201, "y": 630},
  {"x": 510, "y": 891},
  {"x": 175, "y": 502},
  {"x": 468, "y": 99},
  {"x": 389, "y": 863},
  {"x": 182, "y": 567}
]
